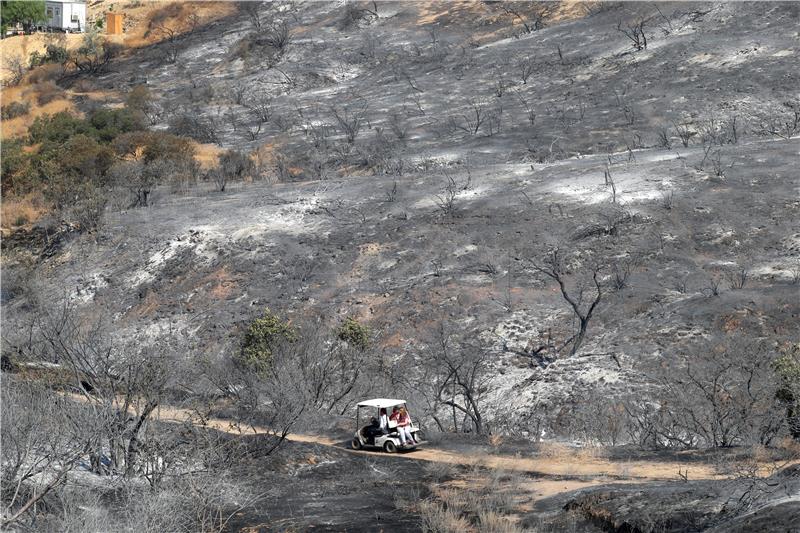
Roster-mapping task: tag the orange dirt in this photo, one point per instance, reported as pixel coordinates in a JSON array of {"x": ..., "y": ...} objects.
[
  {"x": 222, "y": 283},
  {"x": 147, "y": 307}
]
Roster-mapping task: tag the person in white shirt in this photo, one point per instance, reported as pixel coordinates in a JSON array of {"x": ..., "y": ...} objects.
[{"x": 384, "y": 421}]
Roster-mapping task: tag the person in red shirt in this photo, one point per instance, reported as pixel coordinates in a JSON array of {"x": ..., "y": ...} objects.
[{"x": 400, "y": 415}]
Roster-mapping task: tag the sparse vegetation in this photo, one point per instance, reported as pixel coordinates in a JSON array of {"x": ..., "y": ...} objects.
[{"x": 572, "y": 252}]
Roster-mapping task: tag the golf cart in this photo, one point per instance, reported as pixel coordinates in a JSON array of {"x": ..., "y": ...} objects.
[{"x": 368, "y": 437}]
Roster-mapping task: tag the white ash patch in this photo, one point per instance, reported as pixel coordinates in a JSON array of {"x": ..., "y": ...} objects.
[
  {"x": 597, "y": 375},
  {"x": 517, "y": 331},
  {"x": 291, "y": 219},
  {"x": 172, "y": 328},
  {"x": 786, "y": 271},
  {"x": 202, "y": 242},
  {"x": 468, "y": 249},
  {"x": 86, "y": 288},
  {"x": 681, "y": 332}
]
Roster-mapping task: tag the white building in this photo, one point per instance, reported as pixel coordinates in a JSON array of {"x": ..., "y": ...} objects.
[{"x": 66, "y": 15}]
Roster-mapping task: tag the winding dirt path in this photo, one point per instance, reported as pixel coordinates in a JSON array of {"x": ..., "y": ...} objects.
[
  {"x": 568, "y": 465},
  {"x": 562, "y": 470}
]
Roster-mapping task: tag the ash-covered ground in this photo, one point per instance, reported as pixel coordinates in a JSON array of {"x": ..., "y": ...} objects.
[{"x": 479, "y": 148}]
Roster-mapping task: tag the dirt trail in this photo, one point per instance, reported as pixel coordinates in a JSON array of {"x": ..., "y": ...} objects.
[{"x": 566, "y": 465}]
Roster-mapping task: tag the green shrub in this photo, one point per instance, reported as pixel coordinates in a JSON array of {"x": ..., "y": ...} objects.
[
  {"x": 73, "y": 170},
  {"x": 103, "y": 125},
  {"x": 140, "y": 102},
  {"x": 14, "y": 110},
  {"x": 262, "y": 336},
  {"x": 53, "y": 54},
  {"x": 110, "y": 123},
  {"x": 58, "y": 128},
  {"x": 16, "y": 167},
  {"x": 354, "y": 333}
]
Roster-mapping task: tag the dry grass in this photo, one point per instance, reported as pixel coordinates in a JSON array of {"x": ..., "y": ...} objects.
[
  {"x": 479, "y": 502},
  {"x": 207, "y": 155},
  {"x": 492, "y": 522},
  {"x": 435, "y": 518},
  {"x": 560, "y": 451},
  {"x": 54, "y": 100},
  {"x": 143, "y": 19},
  {"x": 47, "y": 92},
  {"x": 20, "y": 212},
  {"x": 22, "y": 46}
]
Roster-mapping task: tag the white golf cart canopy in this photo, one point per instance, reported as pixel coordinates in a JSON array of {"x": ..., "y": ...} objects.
[{"x": 381, "y": 403}]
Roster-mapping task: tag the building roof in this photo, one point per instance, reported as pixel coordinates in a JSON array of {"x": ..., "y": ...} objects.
[{"x": 381, "y": 403}]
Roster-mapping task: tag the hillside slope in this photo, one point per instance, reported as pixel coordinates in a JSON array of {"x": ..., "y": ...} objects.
[{"x": 437, "y": 214}]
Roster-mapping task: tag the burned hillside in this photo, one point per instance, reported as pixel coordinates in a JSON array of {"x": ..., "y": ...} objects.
[{"x": 570, "y": 224}]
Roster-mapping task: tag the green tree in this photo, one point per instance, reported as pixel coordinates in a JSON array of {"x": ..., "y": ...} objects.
[
  {"x": 354, "y": 333},
  {"x": 27, "y": 12},
  {"x": 263, "y": 335}
]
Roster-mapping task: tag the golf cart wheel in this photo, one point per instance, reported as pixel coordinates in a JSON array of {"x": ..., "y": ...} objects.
[
  {"x": 356, "y": 443},
  {"x": 389, "y": 447}
]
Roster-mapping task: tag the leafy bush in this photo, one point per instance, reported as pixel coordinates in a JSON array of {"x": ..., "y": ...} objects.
[
  {"x": 110, "y": 123},
  {"x": 261, "y": 338},
  {"x": 153, "y": 145},
  {"x": 53, "y": 54},
  {"x": 14, "y": 110},
  {"x": 102, "y": 125},
  {"x": 140, "y": 101},
  {"x": 70, "y": 166},
  {"x": 57, "y": 128},
  {"x": 354, "y": 333},
  {"x": 15, "y": 166},
  {"x": 73, "y": 170}
]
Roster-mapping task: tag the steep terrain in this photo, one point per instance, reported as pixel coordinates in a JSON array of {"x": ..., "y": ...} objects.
[
  {"x": 384, "y": 249},
  {"x": 417, "y": 168}
]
